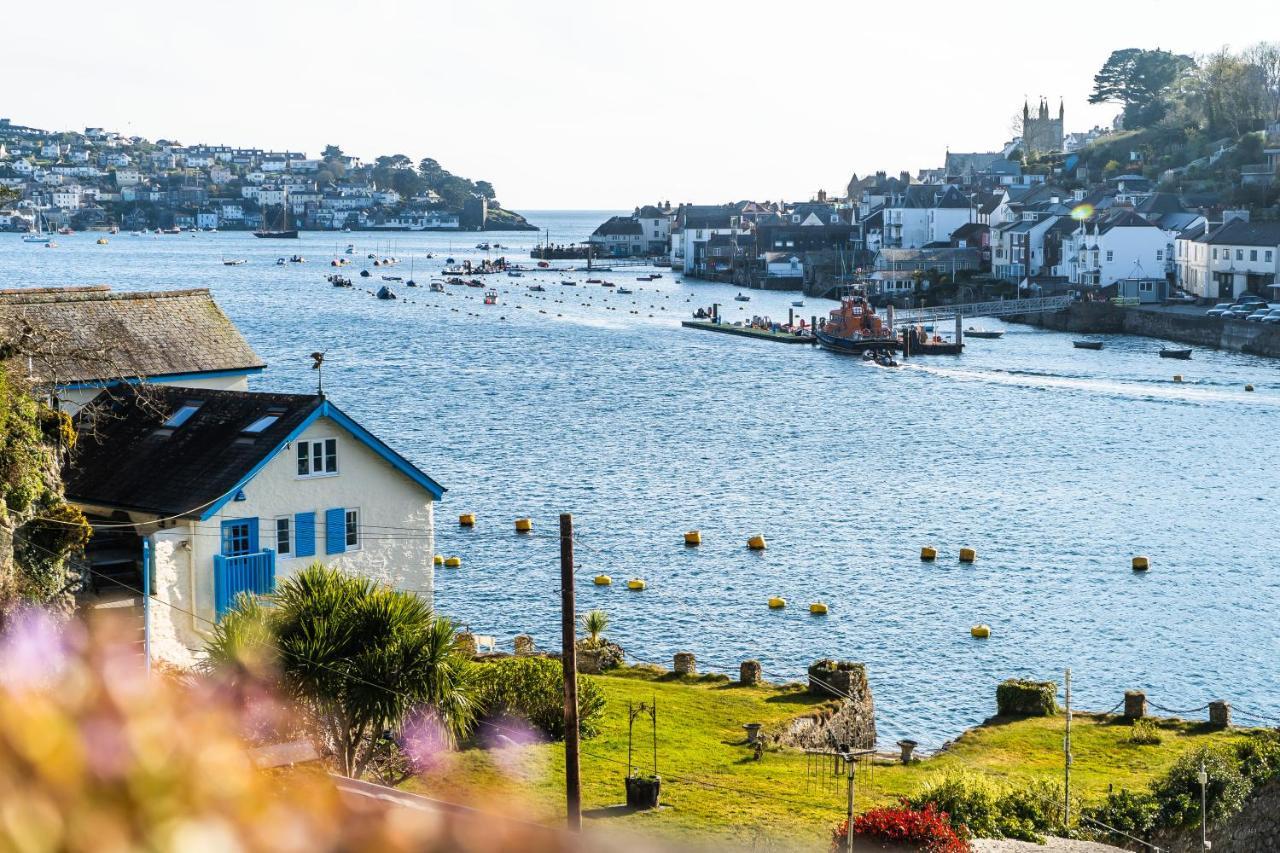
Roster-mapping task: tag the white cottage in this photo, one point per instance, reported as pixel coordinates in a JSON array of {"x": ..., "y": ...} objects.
[{"x": 216, "y": 493}]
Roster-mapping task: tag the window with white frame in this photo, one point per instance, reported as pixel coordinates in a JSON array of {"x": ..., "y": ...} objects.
[
  {"x": 1144, "y": 287},
  {"x": 317, "y": 457},
  {"x": 284, "y": 535},
  {"x": 1110, "y": 255},
  {"x": 353, "y": 529}
]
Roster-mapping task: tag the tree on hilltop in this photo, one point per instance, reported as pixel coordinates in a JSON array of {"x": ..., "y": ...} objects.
[{"x": 1141, "y": 80}]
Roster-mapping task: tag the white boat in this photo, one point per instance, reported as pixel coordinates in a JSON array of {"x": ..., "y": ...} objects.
[
  {"x": 741, "y": 298},
  {"x": 38, "y": 235}
]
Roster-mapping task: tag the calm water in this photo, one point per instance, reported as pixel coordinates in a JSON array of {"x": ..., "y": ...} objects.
[{"x": 1056, "y": 464}]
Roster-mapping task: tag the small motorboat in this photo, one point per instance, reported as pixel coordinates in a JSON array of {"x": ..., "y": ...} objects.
[
  {"x": 491, "y": 297},
  {"x": 484, "y": 247},
  {"x": 281, "y": 262},
  {"x": 364, "y": 273},
  {"x": 297, "y": 259},
  {"x": 624, "y": 291},
  {"x": 514, "y": 273},
  {"x": 436, "y": 286},
  {"x": 799, "y": 303},
  {"x": 989, "y": 334},
  {"x": 102, "y": 241},
  {"x": 595, "y": 281},
  {"x": 1087, "y": 344},
  {"x": 541, "y": 264},
  {"x": 234, "y": 262},
  {"x": 339, "y": 281},
  {"x": 537, "y": 288},
  {"x": 475, "y": 282},
  {"x": 741, "y": 298},
  {"x": 607, "y": 284},
  {"x": 568, "y": 283},
  {"x": 385, "y": 292},
  {"x": 392, "y": 278},
  {"x": 411, "y": 283},
  {"x": 1183, "y": 354},
  {"x": 351, "y": 249}
]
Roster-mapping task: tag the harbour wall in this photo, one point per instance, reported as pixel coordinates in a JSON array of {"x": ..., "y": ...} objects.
[{"x": 1194, "y": 329}]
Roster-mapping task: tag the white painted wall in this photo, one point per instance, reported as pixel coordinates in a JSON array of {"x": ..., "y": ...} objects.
[{"x": 74, "y": 399}]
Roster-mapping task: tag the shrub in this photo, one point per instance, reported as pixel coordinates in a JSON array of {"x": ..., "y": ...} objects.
[
  {"x": 1144, "y": 733},
  {"x": 925, "y": 829},
  {"x": 970, "y": 801},
  {"x": 1017, "y": 697},
  {"x": 1178, "y": 791},
  {"x": 532, "y": 689},
  {"x": 1132, "y": 813},
  {"x": 1029, "y": 812},
  {"x": 1259, "y": 757}
]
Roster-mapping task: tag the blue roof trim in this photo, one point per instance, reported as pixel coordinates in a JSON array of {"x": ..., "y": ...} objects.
[
  {"x": 163, "y": 377},
  {"x": 328, "y": 410}
]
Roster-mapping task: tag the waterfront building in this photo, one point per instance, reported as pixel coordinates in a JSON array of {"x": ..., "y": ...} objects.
[
  {"x": 1116, "y": 245},
  {"x": 619, "y": 236},
  {"x": 1224, "y": 260},
  {"x": 225, "y": 492},
  {"x": 176, "y": 337}
]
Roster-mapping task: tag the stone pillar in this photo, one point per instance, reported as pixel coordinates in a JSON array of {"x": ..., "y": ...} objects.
[
  {"x": 1220, "y": 714},
  {"x": 749, "y": 673},
  {"x": 1135, "y": 704},
  {"x": 524, "y": 645},
  {"x": 466, "y": 643},
  {"x": 685, "y": 664}
]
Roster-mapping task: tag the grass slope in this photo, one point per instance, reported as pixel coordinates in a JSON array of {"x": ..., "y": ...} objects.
[{"x": 711, "y": 784}]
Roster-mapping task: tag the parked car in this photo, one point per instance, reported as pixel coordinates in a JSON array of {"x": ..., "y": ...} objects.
[
  {"x": 1256, "y": 316},
  {"x": 1239, "y": 312},
  {"x": 1219, "y": 309},
  {"x": 1250, "y": 299},
  {"x": 1273, "y": 316}
]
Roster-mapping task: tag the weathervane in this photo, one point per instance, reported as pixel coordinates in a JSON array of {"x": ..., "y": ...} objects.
[{"x": 318, "y": 359}]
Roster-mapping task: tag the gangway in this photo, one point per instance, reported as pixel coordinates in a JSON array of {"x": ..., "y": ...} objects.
[{"x": 999, "y": 308}]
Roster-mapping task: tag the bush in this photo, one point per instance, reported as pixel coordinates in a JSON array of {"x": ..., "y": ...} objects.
[
  {"x": 979, "y": 808},
  {"x": 925, "y": 829},
  {"x": 1132, "y": 813},
  {"x": 1030, "y": 812},
  {"x": 532, "y": 688},
  {"x": 1259, "y": 757},
  {"x": 1178, "y": 791},
  {"x": 1016, "y": 697},
  {"x": 1144, "y": 733}
]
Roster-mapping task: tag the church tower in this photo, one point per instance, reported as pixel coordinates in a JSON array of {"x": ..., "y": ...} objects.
[{"x": 1042, "y": 134}]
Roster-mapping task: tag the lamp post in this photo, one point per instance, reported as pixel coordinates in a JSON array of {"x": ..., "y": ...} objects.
[{"x": 1203, "y": 778}]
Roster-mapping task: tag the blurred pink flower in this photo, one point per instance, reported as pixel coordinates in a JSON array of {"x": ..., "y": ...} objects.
[{"x": 34, "y": 650}]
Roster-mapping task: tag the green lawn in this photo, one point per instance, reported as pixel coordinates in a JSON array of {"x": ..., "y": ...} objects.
[{"x": 711, "y": 784}]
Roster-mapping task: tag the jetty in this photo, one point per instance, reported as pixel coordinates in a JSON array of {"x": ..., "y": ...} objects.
[{"x": 749, "y": 332}]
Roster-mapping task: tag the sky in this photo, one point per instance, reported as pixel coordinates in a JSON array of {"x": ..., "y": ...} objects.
[{"x": 594, "y": 105}]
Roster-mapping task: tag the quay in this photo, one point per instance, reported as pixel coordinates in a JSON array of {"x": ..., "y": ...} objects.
[{"x": 749, "y": 332}]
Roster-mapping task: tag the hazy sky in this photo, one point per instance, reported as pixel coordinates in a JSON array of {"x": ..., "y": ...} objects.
[{"x": 593, "y": 104}]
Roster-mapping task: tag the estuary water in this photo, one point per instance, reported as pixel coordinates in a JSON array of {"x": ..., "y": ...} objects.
[{"x": 1055, "y": 464}]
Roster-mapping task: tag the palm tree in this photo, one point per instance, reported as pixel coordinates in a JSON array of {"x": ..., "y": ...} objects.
[
  {"x": 595, "y": 621},
  {"x": 358, "y": 658}
]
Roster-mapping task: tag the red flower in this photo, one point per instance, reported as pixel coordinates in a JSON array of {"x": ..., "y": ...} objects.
[{"x": 928, "y": 830}]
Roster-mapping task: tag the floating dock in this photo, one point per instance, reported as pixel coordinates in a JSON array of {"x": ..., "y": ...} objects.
[{"x": 749, "y": 332}]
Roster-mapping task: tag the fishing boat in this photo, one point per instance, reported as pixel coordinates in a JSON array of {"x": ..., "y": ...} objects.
[
  {"x": 491, "y": 297},
  {"x": 741, "y": 298},
  {"x": 989, "y": 334},
  {"x": 281, "y": 231},
  {"x": 568, "y": 283},
  {"x": 624, "y": 291},
  {"x": 233, "y": 262},
  {"x": 1183, "y": 354},
  {"x": 1087, "y": 344},
  {"x": 855, "y": 327},
  {"x": 799, "y": 303}
]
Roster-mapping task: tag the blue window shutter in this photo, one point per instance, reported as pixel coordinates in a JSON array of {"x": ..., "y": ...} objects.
[
  {"x": 335, "y": 530},
  {"x": 304, "y": 534},
  {"x": 253, "y": 535}
]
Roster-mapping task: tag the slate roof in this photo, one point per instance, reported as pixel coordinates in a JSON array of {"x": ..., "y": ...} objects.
[
  {"x": 123, "y": 446},
  {"x": 1123, "y": 218},
  {"x": 1237, "y": 232},
  {"x": 127, "y": 334},
  {"x": 1160, "y": 203},
  {"x": 618, "y": 226}
]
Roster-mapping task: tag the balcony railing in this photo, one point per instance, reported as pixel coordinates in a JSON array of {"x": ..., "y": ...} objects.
[{"x": 251, "y": 573}]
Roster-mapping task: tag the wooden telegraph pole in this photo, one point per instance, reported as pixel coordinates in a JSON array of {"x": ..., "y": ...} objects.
[{"x": 568, "y": 626}]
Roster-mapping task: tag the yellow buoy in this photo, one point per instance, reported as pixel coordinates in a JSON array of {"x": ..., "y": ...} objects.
[
  {"x": 980, "y": 631},
  {"x": 693, "y": 537},
  {"x": 635, "y": 584},
  {"x": 928, "y": 552},
  {"x": 1248, "y": 387},
  {"x": 467, "y": 519},
  {"x": 1177, "y": 377},
  {"x": 777, "y": 602},
  {"x": 603, "y": 580},
  {"x": 818, "y": 608},
  {"x": 102, "y": 241},
  {"x": 968, "y": 555},
  {"x": 524, "y": 525},
  {"x": 453, "y": 562},
  {"x": 756, "y": 543},
  {"x": 1141, "y": 564},
  {"x": 439, "y": 561}
]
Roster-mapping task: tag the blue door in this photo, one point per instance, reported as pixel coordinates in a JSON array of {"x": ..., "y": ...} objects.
[{"x": 239, "y": 537}]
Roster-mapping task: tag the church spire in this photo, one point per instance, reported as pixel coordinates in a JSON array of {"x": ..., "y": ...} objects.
[{"x": 1061, "y": 110}]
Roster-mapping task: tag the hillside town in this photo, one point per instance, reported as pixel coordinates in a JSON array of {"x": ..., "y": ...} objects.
[
  {"x": 1048, "y": 213},
  {"x": 101, "y": 179}
]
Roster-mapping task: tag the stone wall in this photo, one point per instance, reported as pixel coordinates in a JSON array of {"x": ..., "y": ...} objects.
[
  {"x": 1255, "y": 829},
  {"x": 1194, "y": 329}
]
